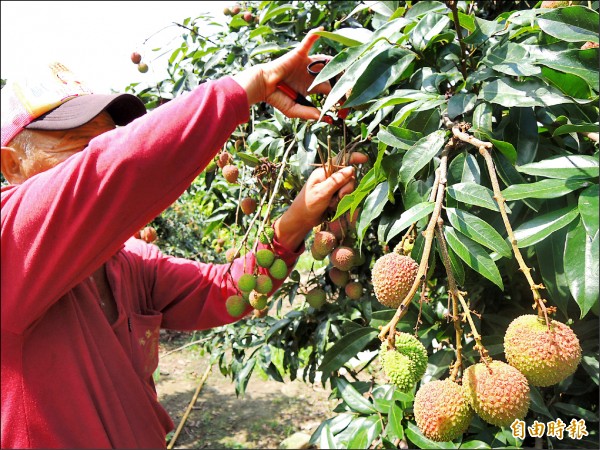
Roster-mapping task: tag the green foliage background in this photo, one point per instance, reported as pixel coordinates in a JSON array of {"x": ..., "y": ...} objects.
[{"x": 519, "y": 77}]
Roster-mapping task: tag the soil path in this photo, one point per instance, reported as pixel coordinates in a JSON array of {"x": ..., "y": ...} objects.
[{"x": 269, "y": 412}]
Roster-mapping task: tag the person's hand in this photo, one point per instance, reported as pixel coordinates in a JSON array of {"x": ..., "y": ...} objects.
[
  {"x": 260, "y": 81},
  {"x": 318, "y": 195}
]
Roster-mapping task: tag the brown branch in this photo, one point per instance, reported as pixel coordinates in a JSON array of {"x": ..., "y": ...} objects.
[{"x": 452, "y": 4}]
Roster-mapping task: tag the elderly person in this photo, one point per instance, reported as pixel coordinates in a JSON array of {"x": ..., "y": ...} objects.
[{"x": 83, "y": 301}]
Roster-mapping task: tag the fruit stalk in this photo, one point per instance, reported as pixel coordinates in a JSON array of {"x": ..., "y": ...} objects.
[{"x": 484, "y": 150}]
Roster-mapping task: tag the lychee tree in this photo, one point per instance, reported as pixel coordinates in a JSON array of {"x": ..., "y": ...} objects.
[{"x": 480, "y": 120}]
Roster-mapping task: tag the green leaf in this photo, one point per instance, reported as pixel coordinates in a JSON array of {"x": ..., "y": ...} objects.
[
  {"x": 474, "y": 255},
  {"x": 511, "y": 59},
  {"x": 276, "y": 11},
  {"x": 550, "y": 257},
  {"x": 509, "y": 93},
  {"x": 570, "y": 84},
  {"x": 420, "y": 154},
  {"x": 588, "y": 206},
  {"x": 506, "y": 148},
  {"x": 347, "y": 347},
  {"x": 475, "y": 444},
  {"x": 576, "y": 411},
  {"x": 248, "y": 159},
  {"x": 482, "y": 118},
  {"x": 373, "y": 206},
  {"x": 394, "y": 429},
  {"x": 592, "y": 366},
  {"x": 350, "y": 37},
  {"x": 484, "y": 29},
  {"x": 262, "y": 49},
  {"x": 353, "y": 398},
  {"x": 509, "y": 175},
  {"x": 473, "y": 194},
  {"x": 461, "y": 104},
  {"x": 478, "y": 230},
  {"x": 243, "y": 376},
  {"x": 539, "y": 228},
  {"x": 464, "y": 169},
  {"x": 428, "y": 27},
  {"x": 537, "y": 402},
  {"x": 576, "y": 128},
  {"x": 456, "y": 265},
  {"x": 408, "y": 217},
  {"x": 581, "y": 267},
  {"x": 327, "y": 438},
  {"x": 383, "y": 70},
  {"x": 569, "y": 166},
  {"x": 416, "y": 437},
  {"x": 368, "y": 430},
  {"x": 573, "y": 24},
  {"x": 398, "y": 137},
  {"x": 548, "y": 188},
  {"x": 522, "y": 132},
  {"x": 339, "y": 63},
  {"x": 582, "y": 63}
]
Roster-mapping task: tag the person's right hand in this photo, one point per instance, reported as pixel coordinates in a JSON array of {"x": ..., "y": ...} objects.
[{"x": 260, "y": 82}]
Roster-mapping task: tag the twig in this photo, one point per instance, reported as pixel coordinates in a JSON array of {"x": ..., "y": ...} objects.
[
  {"x": 463, "y": 49},
  {"x": 389, "y": 329},
  {"x": 199, "y": 341},
  {"x": 189, "y": 409}
]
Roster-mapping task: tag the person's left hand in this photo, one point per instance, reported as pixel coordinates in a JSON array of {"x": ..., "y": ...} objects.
[{"x": 318, "y": 195}]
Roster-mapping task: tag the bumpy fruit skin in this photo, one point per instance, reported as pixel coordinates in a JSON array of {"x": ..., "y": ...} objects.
[
  {"x": 235, "y": 305},
  {"x": 441, "y": 410},
  {"x": 264, "y": 257},
  {"x": 235, "y": 9},
  {"x": 230, "y": 255},
  {"x": 247, "y": 282},
  {"x": 544, "y": 357},
  {"x": 143, "y": 67},
  {"x": 354, "y": 290},
  {"x": 278, "y": 269},
  {"x": 264, "y": 284},
  {"x": 258, "y": 301},
  {"x": 392, "y": 277},
  {"x": 339, "y": 277},
  {"x": 316, "y": 297},
  {"x": 148, "y": 234},
  {"x": 406, "y": 364},
  {"x": 267, "y": 235},
  {"x": 498, "y": 393},
  {"x": 231, "y": 173},
  {"x": 343, "y": 258},
  {"x": 324, "y": 242},
  {"x": 224, "y": 159},
  {"x": 248, "y": 205},
  {"x": 136, "y": 58},
  {"x": 315, "y": 253}
]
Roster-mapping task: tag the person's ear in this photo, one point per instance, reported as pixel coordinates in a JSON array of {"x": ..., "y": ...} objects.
[{"x": 11, "y": 165}]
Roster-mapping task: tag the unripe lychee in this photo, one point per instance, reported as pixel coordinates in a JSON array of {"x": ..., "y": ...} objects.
[
  {"x": 405, "y": 364},
  {"x": 227, "y": 11},
  {"x": 248, "y": 205},
  {"x": 441, "y": 410},
  {"x": 315, "y": 254},
  {"x": 267, "y": 235},
  {"x": 231, "y": 173},
  {"x": 247, "y": 282},
  {"x": 224, "y": 159},
  {"x": 498, "y": 392},
  {"x": 143, "y": 67},
  {"x": 393, "y": 275},
  {"x": 324, "y": 242},
  {"x": 235, "y": 305},
  {"x": 257, "y": 300},
  {"x": 339, "y": 277},
  {"x": 316, "y": 297},
  {"x": 278, "y": 269},
  {"x": 343, "y": 258},
  {"x": 148, "y": 234},
  {"x": 264, "y": 257},
  {"x": 354, "y": 290},
  {"x": 264, "y": 284},
  {"x": 545, "y": 357},
  {"x": 136, "y": 58}
]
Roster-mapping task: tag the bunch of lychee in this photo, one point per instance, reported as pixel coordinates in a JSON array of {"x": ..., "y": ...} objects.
[
  {"x": 236, "y": 9},
  {"x": 136, "y": 58},
  {"x": 229, "y": 170},
  {"x": 538, "y": 354}
]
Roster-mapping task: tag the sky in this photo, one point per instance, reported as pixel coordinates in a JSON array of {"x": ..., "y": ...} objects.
[{"x": 95, "y": 39}]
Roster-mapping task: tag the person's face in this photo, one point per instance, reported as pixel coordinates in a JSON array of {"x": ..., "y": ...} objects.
[{"x": 47, "y": 149}]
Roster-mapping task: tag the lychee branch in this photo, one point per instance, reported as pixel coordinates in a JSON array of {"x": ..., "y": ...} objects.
[
  {"x": 484, "y": 150},
  {"x": 388, "y": 331}
]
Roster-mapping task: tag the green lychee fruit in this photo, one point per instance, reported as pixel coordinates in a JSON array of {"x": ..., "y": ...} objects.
[
  {"x": 339, "y": 277},
  {"x": 354, "y": 290},
  {"x": 143, "y": 67},
  {"x": 441, "y": 410},
  {"x": 265, "y": 257},
  {"x": 248, "y": 205},
  {"x": 316, "y": 297},
  {"x": 498, "y": 392},
  {"x": 247, "y": 282},
  {"x": 406, "y": 364},
  {"x": 267, "y": 235},
  {"x": 264, "y": 284},
  {"x": 235, "y": 305},
  {"x": 324, "y": 242},
  {"x": 278, "y": 269},
  {"x": 392, "y": 276},
  {"x": 258, "y": 301},
  {"x": 343, "y": 258},
  {"x": 315, "y": 253},
  {"x": 231, "y": 173},
  {"x": 545, "y": 357}
]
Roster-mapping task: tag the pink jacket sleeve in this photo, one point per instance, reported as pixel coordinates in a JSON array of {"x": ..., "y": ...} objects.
[{"x": 60, "y": 225}]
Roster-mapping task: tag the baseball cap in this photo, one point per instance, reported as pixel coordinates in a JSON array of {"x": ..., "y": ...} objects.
[{"x": 54, "y": 99}]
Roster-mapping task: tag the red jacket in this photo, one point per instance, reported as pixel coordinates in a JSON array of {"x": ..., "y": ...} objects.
[{"x": 69, "y": 378}]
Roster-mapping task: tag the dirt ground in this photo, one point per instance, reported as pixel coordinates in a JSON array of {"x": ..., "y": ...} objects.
[{"x": 269, "y": 412}]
